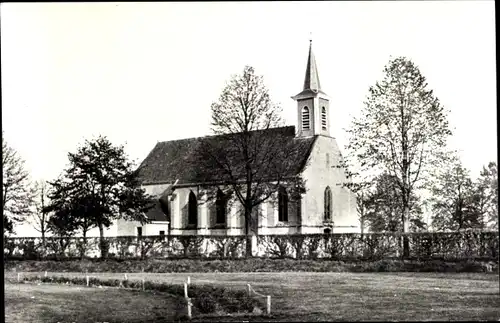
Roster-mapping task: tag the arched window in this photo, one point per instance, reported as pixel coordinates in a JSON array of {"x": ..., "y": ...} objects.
[
  {"x": 164, "y": 205},
  {"x": 328, "y": 204},
  {"x": 305, "y": 118},
  {"x": 220, "y": 208},
  {"x": 323, "y": 118},
  {"x": 192, "y": 209},
  {"x": 282, "y": 205}
]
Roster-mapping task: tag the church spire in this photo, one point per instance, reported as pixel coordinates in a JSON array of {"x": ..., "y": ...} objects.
[
  {"x": 313, "y": 106},
  {"x": 311, "y": 81}
]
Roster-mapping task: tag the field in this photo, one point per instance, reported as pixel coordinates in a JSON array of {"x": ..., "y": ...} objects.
[{"x": 295, "y": 296}]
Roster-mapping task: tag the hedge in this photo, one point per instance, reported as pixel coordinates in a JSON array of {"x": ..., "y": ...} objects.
[
  {"x": 247, "y": 265},
  {"x": 480, "y": 245}
]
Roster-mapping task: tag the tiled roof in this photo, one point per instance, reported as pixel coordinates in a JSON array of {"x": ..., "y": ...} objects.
[
  {"x": 156, "y": 213},
  {"x": 180, "y": 159}
]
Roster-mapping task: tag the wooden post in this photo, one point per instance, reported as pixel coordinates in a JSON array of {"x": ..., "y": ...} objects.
[
  {"x": 249, "y": 290},
  {"x": 268, "y": 304},
  {"x": 189, "y": 280},
  {"x": 88, "y": 280},
  {"x": 189, "y": 307},
  {"x": 185, "y": 290},
  {"x": 18, "y": 277}
]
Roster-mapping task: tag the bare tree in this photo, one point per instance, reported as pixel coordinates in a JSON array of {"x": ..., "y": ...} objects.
[
  {"x": 401, "y": 131},
  {"x": 252, "y": 154},
  {"x": 41, "y": 215},
  {"x": 17, "y": 194}
]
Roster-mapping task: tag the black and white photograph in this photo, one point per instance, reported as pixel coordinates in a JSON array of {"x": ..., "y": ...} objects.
[{"x": 249, "y": 161}]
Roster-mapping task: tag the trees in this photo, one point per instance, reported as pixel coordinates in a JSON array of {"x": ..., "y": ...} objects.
[
  {"x": 17, "y": 193},
  {"x": 383, "y": 207},
  {"x": 487, "y": 194},
  {"x": 454, "y": 200},
  {"x": 252, "y": 155},
  {"x": 401, "y": 131},
  {"x": 98, "y": 187}
]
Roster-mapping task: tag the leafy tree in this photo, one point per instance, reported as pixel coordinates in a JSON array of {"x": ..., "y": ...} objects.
[
  {"x": 98, "y": 187},
  {"x": 62, "y": 223},
  {"x": 383, "y": 207},
  {"x": 453, "y": 200},
  {"x": 17, "y": 193},
  {"x": 486, "y": 196},
  {"x": 402, "y": 130},
  {"x": 248, "y": 160}
]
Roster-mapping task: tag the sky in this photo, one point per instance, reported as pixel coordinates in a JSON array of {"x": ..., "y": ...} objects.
[{"x": 140, "y": 73}]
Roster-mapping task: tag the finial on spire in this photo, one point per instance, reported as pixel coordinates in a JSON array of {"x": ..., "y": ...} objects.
[{"x": 310, "y": 37}]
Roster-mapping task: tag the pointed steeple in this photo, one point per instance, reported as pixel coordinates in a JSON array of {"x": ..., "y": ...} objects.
[
  {"x": 313, "y": 106},
  {"x": 311, "y": 81}
]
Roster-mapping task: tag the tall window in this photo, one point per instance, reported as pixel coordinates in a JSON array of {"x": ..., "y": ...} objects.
[
  {"x": 282, "y": 205},
  {"x": 305, "y": 118},
  {"x": 328, "y": 204},
  {"x": 164, "y": 206},
  {"x": 220, "y": 208},
  {"x": 323, "y": 118},
  {"x": 192, "y": 209}
]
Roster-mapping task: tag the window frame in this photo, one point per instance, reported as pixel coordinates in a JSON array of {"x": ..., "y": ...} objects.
[
  {"x": 220, "y": 208},
  {"x": 306, "y": 113},
  {"x": 283, "y": 201},
  {"x": 327, "y": 205},
  {"x": 192, "y": 219},
  {"x": 323, "y": 119}
]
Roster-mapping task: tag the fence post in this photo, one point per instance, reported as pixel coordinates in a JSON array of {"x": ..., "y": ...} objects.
[
  {"x": 189, "y": 307},
  {"x": 45, "y": 273},
  {"x": 88, "y": 280},
  {"x": 185, "y": 290},
  {"x": 189, "y": 280},
  {"x": 126, "y": 276},
  {"x": 268, "y": 304},
  {"x": 249, "y": 290},
  {"x": 18, "y": 277},
  {"x": 143, "y": 287}
]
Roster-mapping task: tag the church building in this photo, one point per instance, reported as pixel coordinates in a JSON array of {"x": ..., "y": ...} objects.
[{"x": 325, "y": 206}]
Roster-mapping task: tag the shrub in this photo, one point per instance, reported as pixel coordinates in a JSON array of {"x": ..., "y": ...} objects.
[{"x": 205, "y": 303}]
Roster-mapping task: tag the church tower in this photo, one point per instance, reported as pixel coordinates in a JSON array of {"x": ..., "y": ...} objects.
[{"x": 313, "y": 106}]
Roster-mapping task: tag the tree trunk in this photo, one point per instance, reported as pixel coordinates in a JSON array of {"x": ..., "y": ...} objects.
[
  {"x": 248, "y": 215},
  {"x": 84, "y": 247},
  {"x": 406, "y": 227},
  {"x": 44, "y": 247},
  {"x": 102, "y": 243}
]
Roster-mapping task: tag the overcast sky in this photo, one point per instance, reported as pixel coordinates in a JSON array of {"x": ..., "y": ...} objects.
[{"x": 146, "y": 72}]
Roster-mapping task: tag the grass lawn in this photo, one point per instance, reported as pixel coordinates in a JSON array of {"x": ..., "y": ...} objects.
[
  {"x": 296, "y": 296},
  {"x": 62, "y": 303}
]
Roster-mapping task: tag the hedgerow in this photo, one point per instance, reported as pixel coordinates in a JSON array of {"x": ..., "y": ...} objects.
[
  {"x": 249, "y": 265},
  {"x": 479, "y": 245}
]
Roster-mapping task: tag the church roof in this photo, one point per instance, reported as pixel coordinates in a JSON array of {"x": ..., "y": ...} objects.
[
  {"x": 174, "y": 160},
  {"x": 312, "y": 85}
]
